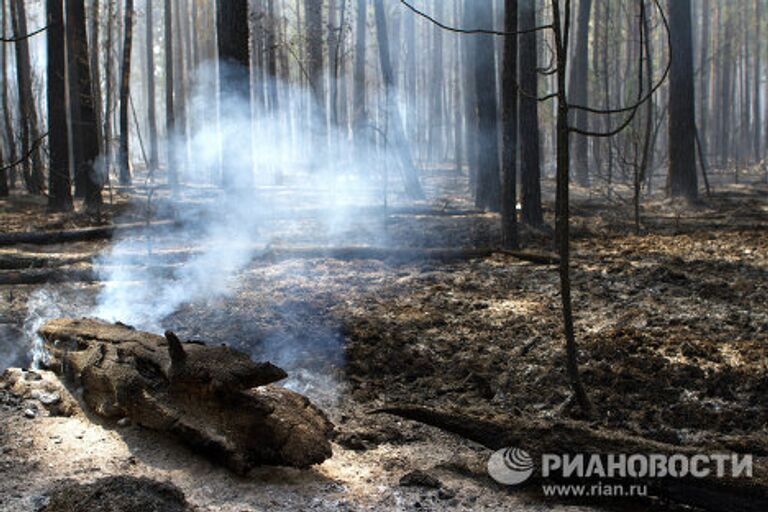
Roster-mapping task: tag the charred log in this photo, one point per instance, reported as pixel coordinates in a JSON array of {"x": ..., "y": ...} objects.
[
  {"x": 539, "y": 436},
  {"x": 214, "y": 399}
]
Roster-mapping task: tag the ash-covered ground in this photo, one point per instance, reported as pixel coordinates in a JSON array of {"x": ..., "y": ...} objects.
[{"x": 672, "y": 325}]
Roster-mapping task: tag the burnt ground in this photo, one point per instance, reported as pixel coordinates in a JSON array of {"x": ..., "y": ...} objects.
[{"x": 672, "y": 325}]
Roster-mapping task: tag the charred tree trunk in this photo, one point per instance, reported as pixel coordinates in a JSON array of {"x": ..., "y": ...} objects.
[
  {"x": 95, "y": 50},
  {"x": 757, "y": 124},
  {"x": 682, "y": 122},
  {"x": 578, "y": 91},
  {"x": 124, "y": 156},
  {"x": 170, "y": 116},
  {"x": 214, "y": 399},
  {"x": 396, "y": 134},
  {"x": 509, "y": 129},
  {"x": 234, "y": 86},
  {"x": 30, "y": 133},
  {"x": 151, "y": 112},
  {"x": 313, "y": 11},
  {"x": 59, "y": 192},
  {"x": 8, "y": 177},
  {"x": 358, "y": 102},
  {"x": 562, "y": 214},
  {"x": 529, "y": 118},
  {"x": 85, "y": 135},
  {"x": 487, "y": 193}
]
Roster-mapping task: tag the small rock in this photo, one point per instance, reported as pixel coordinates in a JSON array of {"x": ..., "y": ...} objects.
[
  {"x": 123, "y": 422},
  {"x": 30, "y": 375},
  {"x": 50, "y": 398},
  {"x": 418, "y": 478},
  {"x": 30, "y": 413}
]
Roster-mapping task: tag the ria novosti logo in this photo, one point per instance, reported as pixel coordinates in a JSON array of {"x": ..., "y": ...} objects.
[
  {"x": 513, "y": 466},
  {"x": 510, "y": 466}
]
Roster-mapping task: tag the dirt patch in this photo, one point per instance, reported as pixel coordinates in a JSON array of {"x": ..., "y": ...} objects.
[{"x": 116, "y": 494}]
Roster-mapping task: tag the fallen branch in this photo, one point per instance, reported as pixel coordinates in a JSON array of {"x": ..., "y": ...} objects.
[
  {"x": 78, "y": 234},
  {"x": 20, "y": 261},
  {"x": 537, "y": 437},
  {"x": 214, "y": 399}
]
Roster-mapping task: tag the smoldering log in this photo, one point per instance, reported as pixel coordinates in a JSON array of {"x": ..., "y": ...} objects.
[
  {"x": 538, "y": 436},
  {"x": 214, "y": 399}
]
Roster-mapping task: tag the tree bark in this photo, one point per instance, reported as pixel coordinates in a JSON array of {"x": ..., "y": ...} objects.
[
  {"x": 125, "y": 93},
  {"x": 488, "y": 191},
  {"x": 30, "y": 134},
  {"x": 85, "y": 135},
  {"x": 578, "y": 90},
  {"x": 682, "y": 122},
  {"x": 234, "y": 86},
  {"x": 509, "y": 129},
  {"x": 7, "y": 178},
  {"x": 170, "y": 116},
  {"x": 358, "y": 101},
  {"x": 151, "y": 112},
  {"x": 59, "y": 192},
  {"x": 313, "y": 10},
  {"x": 529, "y": 118}
]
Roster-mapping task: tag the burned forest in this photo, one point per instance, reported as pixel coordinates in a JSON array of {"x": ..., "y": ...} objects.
[{"x": 374, "y": 255}]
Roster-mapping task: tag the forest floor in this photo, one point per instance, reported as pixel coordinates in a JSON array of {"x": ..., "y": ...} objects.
[{"x": 672, "y": 325}]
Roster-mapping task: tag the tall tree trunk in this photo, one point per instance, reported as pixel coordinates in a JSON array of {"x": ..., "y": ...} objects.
[
  {"x": 578, "y": 90},
  {"x": 509, "y": 129},
  {"x": 682, "y": 122},
  {"x": 314, "y": 51},
  {"x": 30, "y": 133},
  {"x": 487, "y": 194},
  {"x": 182, "y": 78},
  {"x": 125, "y": 95},
  {"x": 358, "y": 102},
  {"x": 59, "y": 193},
  {"x": 470, "y": 102},
  {"x": 396, "y": 134},
  {"x": 85, "y": 135},
  {"x": 234, "y": 87},
  {"x": 757, "y": 125},
  {"x": 170, "y": 116},
  {"x": 704, "y": 71},
  {"x": 95, "y": 50},
  {"x": 562, "y": 216},
  {"x": 529, "y": 118},
  {"x": 437, "y": 89},
  {"x": 151, "y": 112},
  {"x": 9, "y": 178},
  {"x": 109, "y": 89}
]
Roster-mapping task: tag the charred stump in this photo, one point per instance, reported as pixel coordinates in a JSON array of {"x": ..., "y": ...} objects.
[{"x": 215, "y": 399}]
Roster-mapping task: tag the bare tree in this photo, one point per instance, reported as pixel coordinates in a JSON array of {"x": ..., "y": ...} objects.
[
  {"x": 30, "y": 133},
  {"x": 125, "y": 95},
  {"x": 396, "y": 135},
  {"x": 234, "y": 79},
  {"x": 530, "y": 152},
  {"x": 59, "y": 190},
  {"x": 682, "y": 116},
  {"x": 509, "y": 129},
  {"x": 151, "y": 112},
  {"x": 85, "y": 133},
  {"x": 488, "y": 190}
]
